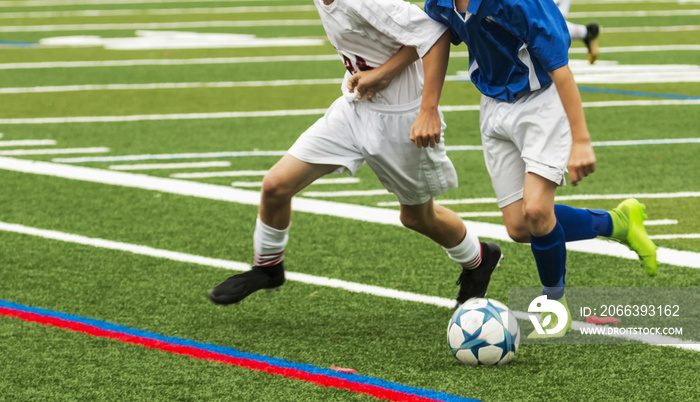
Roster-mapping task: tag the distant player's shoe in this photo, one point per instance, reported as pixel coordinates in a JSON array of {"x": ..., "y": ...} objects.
[
  {"x": 591, "y": 41},
  {"x": 238, "y": 287},
  {"x": 550, "y": 321},
  {"x": 474, "y": 282},
  {"x": 628, "y": 229}
]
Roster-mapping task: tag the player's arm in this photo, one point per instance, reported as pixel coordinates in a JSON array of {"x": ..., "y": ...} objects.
[
  {"x": 427, "y": 127},
  {"x": 582, "y": 159},
  {"x": 367, "y": 83}
]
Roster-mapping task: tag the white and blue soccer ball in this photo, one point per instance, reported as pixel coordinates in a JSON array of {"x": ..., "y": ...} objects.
[{"x": 483, "y": 332}]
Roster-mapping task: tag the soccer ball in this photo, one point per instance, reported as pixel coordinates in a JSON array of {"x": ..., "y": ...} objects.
[{"x": 483, "y": 332}]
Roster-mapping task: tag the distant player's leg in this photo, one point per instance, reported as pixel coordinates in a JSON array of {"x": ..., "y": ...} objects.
[
  {"x": 591, "y": 41},
  {"x": 282, "y": 182},
  {"x": 587, "y": 33},
  {"x": 446, "y": 228}
]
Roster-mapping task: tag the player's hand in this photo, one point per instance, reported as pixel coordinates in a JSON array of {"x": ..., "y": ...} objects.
[
  {"x": 581, "y": 162},
  {"x": 368, "y": 83},
  {"x": 426, "y": 129}
]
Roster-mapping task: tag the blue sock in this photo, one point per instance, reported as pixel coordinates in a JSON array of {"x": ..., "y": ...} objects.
[
  {"x": 550, "y": 255},
  {"x": 583, "y": 224}
]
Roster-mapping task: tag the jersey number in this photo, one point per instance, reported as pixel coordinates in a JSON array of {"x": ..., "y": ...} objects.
[{"x": 360, "y": 64}]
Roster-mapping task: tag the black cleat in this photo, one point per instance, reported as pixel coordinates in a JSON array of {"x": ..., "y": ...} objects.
[
  {"x": 591, "y": 41},
  {"x": 474, "y": 282},
  {"x": 238, "y": 287}
]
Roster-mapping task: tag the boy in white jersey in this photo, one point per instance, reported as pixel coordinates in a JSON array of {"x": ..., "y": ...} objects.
[{"x": 383, "y": 39}]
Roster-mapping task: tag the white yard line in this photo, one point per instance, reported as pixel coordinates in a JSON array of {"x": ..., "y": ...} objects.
[
  {"x": 342, "y": 180},
  {"x": 662, "y": 141},
  {"x": 54, "y": 151},
  {"x": 156, "y": 11},
  {"x": 292, "y": 276},
  {"x": 26, "y": 143},
  {"x": 158, "y": 25},
  {"x": 657, "y": 222},
  {"x": 282, "y": 59},
  {"x": 176, "y": 116},
  {"x": 641, "y": 49},
  {"x": 341, "y": 210},
  {"x": 661, "y": 222},
  {"x": 233, "y": 173},
  {"x": 620, "y": 143},
  {"x": 301, "y": 112},
  {"x": 479, "y": 214},
  {"x": 686, "y": 194},
  {"x": 350, "y": 193},
  {"x": 146, "y": 157},
  {"x": 167, "y": 85},
  {"x": 238, "y": 154},
  {"x": 676, "y": 28},
  {"x": 584, "y": 74},
  {"x": 636, "y": 1},
  {"x": 151, "y": 166},
  {"x": 261, "y": 9},
  {"x": 634, "y": 14},
  {"x": 42, "y": 3},
  {"x": 289, "y": 22},
  {"x": 670, "y": 102},
  {"x": 166, "y": 62},
  {"x": 676, "y": 236}
]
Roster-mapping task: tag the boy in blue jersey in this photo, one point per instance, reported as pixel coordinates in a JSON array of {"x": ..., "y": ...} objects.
[{"x": 532, "y": 129}]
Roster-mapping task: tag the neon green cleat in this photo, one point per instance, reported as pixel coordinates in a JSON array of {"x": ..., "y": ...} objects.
[
  {"x": 549, "y": 319},
  {"x": 628, "y": 229}
]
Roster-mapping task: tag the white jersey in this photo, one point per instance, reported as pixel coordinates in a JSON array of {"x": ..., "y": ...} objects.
[{"x": 367, "y": 33}]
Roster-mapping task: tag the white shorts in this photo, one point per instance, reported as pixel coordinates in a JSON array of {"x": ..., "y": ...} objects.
[
  {"x": 351, "y": 133},
  {"x": 530, "y": 134}
]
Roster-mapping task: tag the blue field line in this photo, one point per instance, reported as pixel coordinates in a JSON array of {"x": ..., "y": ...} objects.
[
  {"x": 636, "y": 93},
  {"x": 356, "y": 378},
  {"x": 17, "y": 44}
]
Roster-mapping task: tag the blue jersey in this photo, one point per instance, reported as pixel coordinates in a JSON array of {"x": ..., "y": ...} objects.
[{"x": 513, "y": 44}]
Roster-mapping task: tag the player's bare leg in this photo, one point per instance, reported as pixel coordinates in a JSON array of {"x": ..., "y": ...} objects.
[
  {"x": 538, "y": 204},
  {"x": 533, "y": 220},
  {"x": 446, "y": 228},
  {"x": 514, "y": 221},
  {"x": 281, "y": 183},
  {"x": 440, "y": 224}
]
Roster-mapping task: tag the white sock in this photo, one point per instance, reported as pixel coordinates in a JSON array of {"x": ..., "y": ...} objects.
[
  {"x": 577, "y": 31},
  {"x": 269, "y": 244},
  {"x": 564, "y": 6},
  {"x": 468, "y": 252}
]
